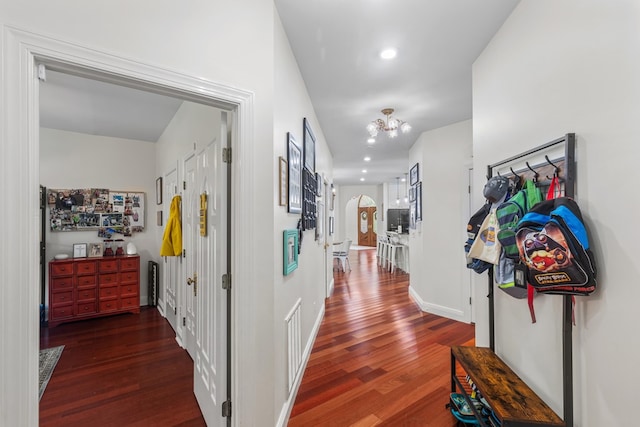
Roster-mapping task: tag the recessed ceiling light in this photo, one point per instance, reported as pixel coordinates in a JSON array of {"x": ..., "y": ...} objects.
[
  {"x": 364, "y": 171},
  {"x": 361, "y": 179},
  {"x": 367, "y": 159},
  {"x": 403, "y": 179},
  {"x": 371, "y": 140},
  {"x": 388, "y": 53}
]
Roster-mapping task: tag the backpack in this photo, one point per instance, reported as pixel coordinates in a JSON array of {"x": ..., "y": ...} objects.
[
  {"x": 473, "y": 227},
  {"x": 512, "y": 211},
  {"x": 553, "y": 244}
]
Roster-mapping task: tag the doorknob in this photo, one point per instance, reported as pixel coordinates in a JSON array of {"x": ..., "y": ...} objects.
[{"x": 193, "y": 281}]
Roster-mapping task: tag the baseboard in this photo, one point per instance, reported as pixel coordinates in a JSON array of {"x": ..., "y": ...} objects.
[
  {"x": 283, "y": 419},
  {"x": 438, "y": 310}
]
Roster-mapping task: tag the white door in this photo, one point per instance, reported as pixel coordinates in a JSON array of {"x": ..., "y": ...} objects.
[
  {"x": 171, "y": 278},
  {"x": 210, "y": 257},
  {"x": 189, "y": 240}
]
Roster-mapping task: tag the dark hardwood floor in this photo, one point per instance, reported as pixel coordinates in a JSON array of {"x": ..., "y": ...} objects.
[
  {"x": 378, "y": 359},
  {"x": 125, "y": 370}
]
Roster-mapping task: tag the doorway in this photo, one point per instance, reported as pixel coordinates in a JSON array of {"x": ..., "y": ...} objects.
[
  {"x": 361, "y": 220},
  {"x": 210, "y": 348}
]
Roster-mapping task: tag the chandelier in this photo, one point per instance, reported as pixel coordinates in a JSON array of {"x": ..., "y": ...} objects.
[{"x": 390, "y": 125}]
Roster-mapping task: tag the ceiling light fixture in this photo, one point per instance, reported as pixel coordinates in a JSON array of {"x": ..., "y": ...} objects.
[
  {"x": 397, "y": 190},
  {"x": 367, "y": 159},
  {"x": 389, "y": 53},
  {"x": 390, "y": 125},
  {"x": 371, "y": 140}
]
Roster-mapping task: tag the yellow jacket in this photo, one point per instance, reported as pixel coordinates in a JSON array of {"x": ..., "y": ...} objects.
[{"x": 172, "y": 239}]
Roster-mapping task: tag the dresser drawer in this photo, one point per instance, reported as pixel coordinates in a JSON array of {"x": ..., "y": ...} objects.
[
  {"x": 61, "y": 312},
  {"x": 129, "y": 263},
  {"x": 108, "y": 292},
  {"x": 129, "y": 276},
  {"x": 86, "y": 281},
  {"x": 85, "y": 308},
  {"x": 128, "y": 290},
  {"x": 61, "y": 298},
  {"x": 109, "y": 305},
  {"x": 86, "y": 294},
  {"x": 61, "y": 269},
  {"x": 61, "y": 284},
  {"x": 108, "y": 279},
  {"x": 108, "y": 266},
  {"x": 130, "y": 302},
  {"x": 85, "y": 267}
]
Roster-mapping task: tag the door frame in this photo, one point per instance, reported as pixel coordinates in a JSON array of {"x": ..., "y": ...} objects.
[{"x": 23, "y": 51}]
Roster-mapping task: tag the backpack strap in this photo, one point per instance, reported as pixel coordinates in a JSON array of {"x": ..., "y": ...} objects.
[
  {"x": 554, "y": 188},
  {"x": 530, "y": 294}
]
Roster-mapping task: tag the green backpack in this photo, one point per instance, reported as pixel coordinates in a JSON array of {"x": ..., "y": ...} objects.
[{"x": 512, "y": 211}]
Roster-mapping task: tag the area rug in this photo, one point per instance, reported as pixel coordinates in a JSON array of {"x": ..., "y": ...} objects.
[{"x": 48, "y": 359}]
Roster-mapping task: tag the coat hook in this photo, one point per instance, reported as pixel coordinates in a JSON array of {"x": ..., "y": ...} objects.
[
  {"x": 556, "y": 169},
  {"x": 535, "y": 174}
]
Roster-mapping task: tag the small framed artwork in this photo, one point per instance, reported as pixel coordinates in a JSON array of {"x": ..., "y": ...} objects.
[
  {"x": 159, "y": 218},
  {"x": 412, "y": 215},
  {"x": 319, "y": 186},
  {"x": 283, "y": 181},
  {"x": 414, "y": 174},
  {"x": 332, "y": 197},
  {"x": 419, "y": 201},
  {"x": 320, "y": 223},
  {"x": 79, "y": 250},
  {"x": 309, "y": 147},
  {"x": 412, "y": 194},
  {"x": 294, "y": 181},
  {"x": 95, "y": 250},
  {"x": 159, "y": 191},
  {"x": 290, "y": 251}
]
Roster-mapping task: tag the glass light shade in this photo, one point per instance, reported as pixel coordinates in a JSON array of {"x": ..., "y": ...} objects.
[
  {"x": 393, "y": 123},
  {"x": 393, "y": 133},
  {"x": 405, "y": 127}
]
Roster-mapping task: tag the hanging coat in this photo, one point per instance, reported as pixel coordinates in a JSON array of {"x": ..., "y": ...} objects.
[{"x": 172, "y": 239}]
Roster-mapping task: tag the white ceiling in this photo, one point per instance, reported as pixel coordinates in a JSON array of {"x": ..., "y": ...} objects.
[{"x": 336, "y": 44}]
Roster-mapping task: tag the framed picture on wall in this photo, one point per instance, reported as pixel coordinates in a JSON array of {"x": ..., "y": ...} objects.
[
  {"x": 283, "y": 174},
  {"x": 159, "y": 191},
  {"x": 309, "y": 147},
  {"x": 294, "y": 182},
  {"x": 289, "y": 251},
  {"x": 419, "y": 201},
  {"x": 414, "y": 174}
]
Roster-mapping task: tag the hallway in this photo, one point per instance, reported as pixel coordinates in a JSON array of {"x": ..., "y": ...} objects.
[{"x": 378, "y": 359}]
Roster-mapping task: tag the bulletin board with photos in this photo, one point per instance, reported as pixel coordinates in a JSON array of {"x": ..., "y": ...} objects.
[{"x": 98, "y": 209}]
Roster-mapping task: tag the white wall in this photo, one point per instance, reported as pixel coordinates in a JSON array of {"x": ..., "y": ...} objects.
[
  {"x": 558, "y": 67},
  {"x": 308, "y": 281},
  {"x": 230, "y": 43},
  {"x": 73, "y": 160},
  {"x": 439, "y": 279}
]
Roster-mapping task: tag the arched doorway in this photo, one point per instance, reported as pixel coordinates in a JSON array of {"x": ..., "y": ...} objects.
[{"x": 362, "y": 220}]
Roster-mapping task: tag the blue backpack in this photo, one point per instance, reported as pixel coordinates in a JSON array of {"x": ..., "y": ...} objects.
[{"x": 553, "y": 245}]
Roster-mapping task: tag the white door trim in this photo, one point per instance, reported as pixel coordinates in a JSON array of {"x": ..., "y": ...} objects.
[{"x": 19, "y": 154}]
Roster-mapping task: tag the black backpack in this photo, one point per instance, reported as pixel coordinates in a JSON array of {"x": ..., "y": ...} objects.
[
  {"x": 553, "y": 244},
  {"x": 473, "y": 227}
]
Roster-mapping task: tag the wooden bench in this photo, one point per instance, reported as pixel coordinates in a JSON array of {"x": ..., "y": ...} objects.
[{"x": 513, "y": 402}]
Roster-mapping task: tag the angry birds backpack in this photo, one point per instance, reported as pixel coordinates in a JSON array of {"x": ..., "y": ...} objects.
[{"x": 553, "y": 245}]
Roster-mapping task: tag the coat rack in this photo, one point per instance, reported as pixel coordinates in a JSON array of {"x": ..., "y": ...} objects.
[{"x": 569, "y": 190}]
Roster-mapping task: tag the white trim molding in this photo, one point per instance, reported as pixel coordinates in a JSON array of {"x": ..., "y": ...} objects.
[
  {"x": 438, "y": 310},
  {"x": 19, "y": 180}
]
